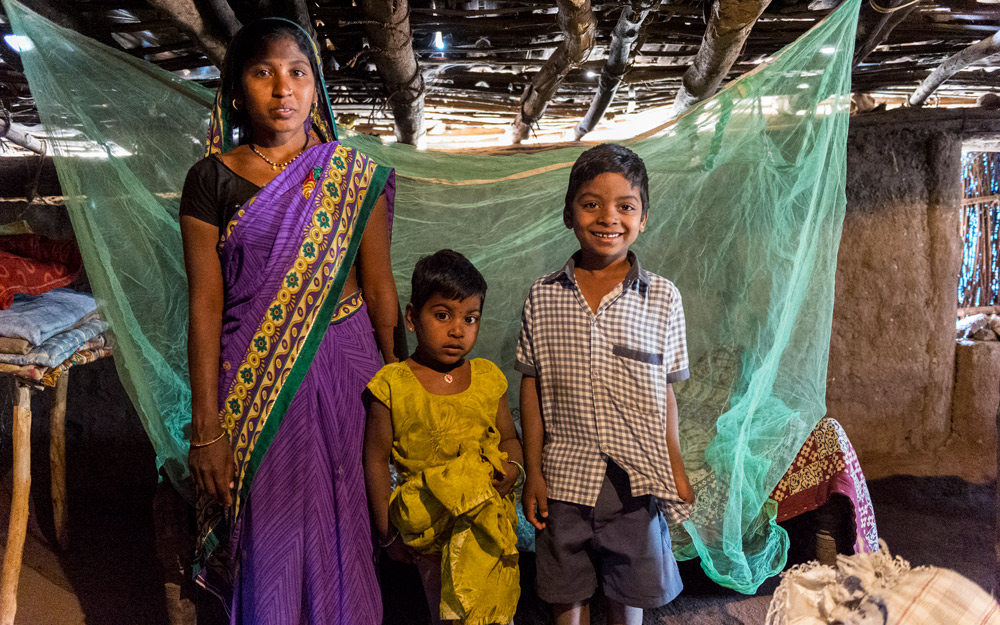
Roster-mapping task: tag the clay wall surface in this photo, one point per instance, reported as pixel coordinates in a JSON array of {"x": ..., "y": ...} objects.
[{"x": 891, "y": 376}]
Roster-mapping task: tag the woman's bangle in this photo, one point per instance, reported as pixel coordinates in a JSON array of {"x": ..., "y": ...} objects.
[
  {"x": 519, "y": 482},
  {"x": 390, "y": 541},
  {"x": 218, "y": 438}
]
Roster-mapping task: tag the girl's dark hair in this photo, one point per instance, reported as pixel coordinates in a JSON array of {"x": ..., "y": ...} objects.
[
  {"x": 246, "y": 44},
  {"x": 607, "y": 158},
  {"x": 448, "y": 274}
]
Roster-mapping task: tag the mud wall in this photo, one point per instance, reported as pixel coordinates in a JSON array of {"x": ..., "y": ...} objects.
[{"x": 891, "y": 376}]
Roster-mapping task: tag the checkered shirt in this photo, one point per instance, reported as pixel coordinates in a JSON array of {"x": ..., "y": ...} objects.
[{"x": 603, "y": 379}]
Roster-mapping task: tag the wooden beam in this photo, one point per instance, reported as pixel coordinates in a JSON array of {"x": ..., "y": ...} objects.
[
  {"x": 625, "y": 33},
  {"x": 954, "y": 64},
  {"x": 211, "y": 30},
  {"x": 19, "y": 135},
  {"x": 578, "y": 25},
  {"x": 729, "y": 25},
  {"x": 387, "y": 23},
  {"x": 876, "y": 20}
]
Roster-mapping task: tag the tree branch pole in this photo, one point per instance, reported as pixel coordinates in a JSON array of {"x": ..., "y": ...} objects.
[
  {"x": 209, "y": 32},
  {"x": 578, "y": 25},
  {"x": 625, "y": 33},
  {"x": 388, "y": 28},
  {"x": 18, "y": 135},
  {"x": 954, "y": 64},
  {"x": 875, "y": 24},
  {"x": 728, "y": 27}
]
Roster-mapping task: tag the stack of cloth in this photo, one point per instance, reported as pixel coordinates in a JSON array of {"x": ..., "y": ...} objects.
[
  {"x": 33, "y": 264},
  {"x": 41, "y": 336},
  {"x": 879, "y": 589}
]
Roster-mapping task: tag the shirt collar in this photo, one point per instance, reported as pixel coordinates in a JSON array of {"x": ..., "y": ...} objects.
[{"x": 635, "y": 272}]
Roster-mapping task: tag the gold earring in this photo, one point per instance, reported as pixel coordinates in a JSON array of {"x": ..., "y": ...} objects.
[{"x": 235, "y": 108}]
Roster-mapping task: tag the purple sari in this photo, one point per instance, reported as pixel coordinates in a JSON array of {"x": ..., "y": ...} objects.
[{"x": 296, "y": 546}]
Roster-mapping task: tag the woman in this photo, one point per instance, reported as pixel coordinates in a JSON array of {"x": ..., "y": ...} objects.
[{"x": 282, "y": 233}]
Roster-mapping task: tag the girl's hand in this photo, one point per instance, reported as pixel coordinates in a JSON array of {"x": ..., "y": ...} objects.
[
  {"x": 400, "y": 552},
  {"x": 535, "y": 494},
  {"x": 505, "y": 483},
  {"x": 213, "y": 470}
]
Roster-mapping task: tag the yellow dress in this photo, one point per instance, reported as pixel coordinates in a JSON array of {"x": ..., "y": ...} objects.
[{"x": 445, "y": 448}]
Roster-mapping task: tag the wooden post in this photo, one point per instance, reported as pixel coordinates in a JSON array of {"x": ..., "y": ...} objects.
[
  {"x": 954, "y": 64},
  {"x": 57, "y": 457},
  {"x": 18, "y": 506}
]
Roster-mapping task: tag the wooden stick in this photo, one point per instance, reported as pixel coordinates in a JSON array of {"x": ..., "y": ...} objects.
[
  {"x": 18, "y": 526},
  {"x": 728, "y": 27},
  {"x": 975, "y": 310},
  {"x": 387, "y": 23},
  {"x": 579, "y": 27},
  {"x": 954, "y": 64},
  {"x": 983, "y": 199},
  {"x": 57, "y": 457}
]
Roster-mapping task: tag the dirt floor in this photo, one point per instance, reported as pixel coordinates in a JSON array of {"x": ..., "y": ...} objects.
[{"x": 111, "y": 571}]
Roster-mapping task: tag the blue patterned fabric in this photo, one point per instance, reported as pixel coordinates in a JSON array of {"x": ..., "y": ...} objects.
[
  {"x": 58, "y": 348},
  {"x": 36, "y": 318}
]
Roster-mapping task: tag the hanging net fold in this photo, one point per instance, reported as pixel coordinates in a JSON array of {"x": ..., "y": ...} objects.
[{"x": 747, "y": 204}]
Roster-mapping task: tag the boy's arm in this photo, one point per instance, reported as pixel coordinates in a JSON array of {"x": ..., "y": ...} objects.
[
  {"x": 674, "y": 449},
  {"x": 535, "y": 492},
  {"x": 509, "y": 444},
  {"x": 378, "y": 446}
]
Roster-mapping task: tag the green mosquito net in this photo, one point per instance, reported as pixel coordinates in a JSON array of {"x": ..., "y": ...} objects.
[{"x": 747, "y": 204}]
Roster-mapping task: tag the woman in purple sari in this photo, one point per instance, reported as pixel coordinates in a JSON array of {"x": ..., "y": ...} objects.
[{"x": 283, "y": 230}]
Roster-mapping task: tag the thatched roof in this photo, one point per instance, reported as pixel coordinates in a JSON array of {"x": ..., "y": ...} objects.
[{"x": 478, "y": 57}]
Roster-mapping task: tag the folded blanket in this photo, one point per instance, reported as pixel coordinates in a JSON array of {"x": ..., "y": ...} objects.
[
  {"x": 33, "y": 264},
  {"x": 81, "y": 357},
  {"x": 14, "y": 346},
  {"x": 36, "y": 318},
  {"x": 29, "y": 372},
  {"x": 59, "y": 347}
]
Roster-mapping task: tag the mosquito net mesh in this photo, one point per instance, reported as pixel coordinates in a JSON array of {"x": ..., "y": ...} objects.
[{"x": 747, "y": 203}]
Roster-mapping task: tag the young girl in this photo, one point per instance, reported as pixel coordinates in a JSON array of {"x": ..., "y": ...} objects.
[{"x": 448, "y": 426}]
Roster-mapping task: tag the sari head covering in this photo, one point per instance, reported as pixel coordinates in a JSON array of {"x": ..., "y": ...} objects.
[
  {"x": 295, "y": 354},
  {"x": 229, "y": 126}
]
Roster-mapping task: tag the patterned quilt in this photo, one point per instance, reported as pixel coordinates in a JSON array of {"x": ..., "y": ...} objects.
[
  {"x": 33, "y": 264},
  {"x": 826, "y": 465}
]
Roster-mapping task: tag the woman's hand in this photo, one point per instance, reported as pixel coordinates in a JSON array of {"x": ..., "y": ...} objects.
[
  {"x": 213, "y": 470},
  {"x": 505, "y": 483}
]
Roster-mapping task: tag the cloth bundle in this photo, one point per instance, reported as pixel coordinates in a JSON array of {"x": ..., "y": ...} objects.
[
  {"x": 42, "y": 336},
  {"x": 878, "y": 589}
]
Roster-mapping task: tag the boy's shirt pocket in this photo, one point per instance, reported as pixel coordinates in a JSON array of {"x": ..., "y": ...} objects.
[{"x": 638, "y": 377}]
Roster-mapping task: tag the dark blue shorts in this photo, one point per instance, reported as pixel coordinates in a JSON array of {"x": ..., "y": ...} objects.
[{"x": 622, "y": 541}]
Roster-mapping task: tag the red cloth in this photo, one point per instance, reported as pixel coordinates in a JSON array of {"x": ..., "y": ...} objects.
[
  {"x": 33, "y": 264},
  {"x": 827, "y": 464}
]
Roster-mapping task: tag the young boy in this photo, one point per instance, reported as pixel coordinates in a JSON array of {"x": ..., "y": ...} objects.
[{"x": 601, "y": 342}]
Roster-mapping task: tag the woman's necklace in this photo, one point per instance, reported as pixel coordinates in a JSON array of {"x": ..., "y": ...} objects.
[
  {"x": 448, "y": 378},
  {"x": 276, "y": 166}
]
